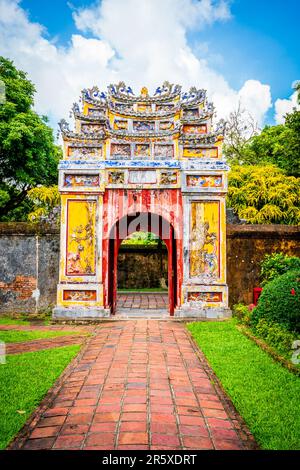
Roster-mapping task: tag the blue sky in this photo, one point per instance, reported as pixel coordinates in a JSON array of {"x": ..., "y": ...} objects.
[{"x": 259, "y": 42}]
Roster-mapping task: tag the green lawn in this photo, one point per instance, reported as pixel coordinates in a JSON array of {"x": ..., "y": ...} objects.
[
  {"x": 13, "y": 336},
  {"x": 264, "y": 393},
  {"x": 24, "y": 381},
  {"x": 12, "y": 321}
]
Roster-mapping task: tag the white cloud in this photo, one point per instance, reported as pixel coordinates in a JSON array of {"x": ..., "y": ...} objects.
[
  {"x": 58, "y": 73},
  {"x": 140, "y": 42},
  {"x": 282, "y": 107}
]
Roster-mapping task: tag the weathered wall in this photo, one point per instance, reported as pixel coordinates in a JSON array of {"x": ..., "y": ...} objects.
[
  {"x": 140, "y": 267},
  {"x": 28, "y": 267},
  {"x": 29, "y": 260},
  {"x": 246, "y": 247}
]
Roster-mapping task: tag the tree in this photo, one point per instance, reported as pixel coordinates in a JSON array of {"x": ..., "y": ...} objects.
[
  {"x": 28, "y": 156},
  {"x": 45, "y": 201},
  {"x": 240, "y": 128},
  {"x": 279, "y": 145},
  {"x": 264, "y": 195},
  {"x": 296, "y": 87}
]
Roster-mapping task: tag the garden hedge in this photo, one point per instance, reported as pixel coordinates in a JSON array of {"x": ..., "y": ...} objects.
[{"x": 280, "y": 302}]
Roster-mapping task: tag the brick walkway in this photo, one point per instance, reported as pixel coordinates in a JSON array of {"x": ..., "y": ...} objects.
[
  {"x": 47, "y": 343},
  {"x": 143, "y": 301},
  {"x": 137, "y": 385}
]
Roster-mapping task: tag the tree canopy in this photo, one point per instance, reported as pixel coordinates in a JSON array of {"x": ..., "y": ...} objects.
[
  {"x": 264, "y": 195},
  {"x": 28, "y": 155},
  {"x": 279, "y": 145}
]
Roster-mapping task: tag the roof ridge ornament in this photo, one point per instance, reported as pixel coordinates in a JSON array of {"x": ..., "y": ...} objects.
[
  {"x": 220, "y": 128},
  {"x": 94, "y": 94},
  {"x": 120, "y": 89},
  {"x": 144, "y": 92}
]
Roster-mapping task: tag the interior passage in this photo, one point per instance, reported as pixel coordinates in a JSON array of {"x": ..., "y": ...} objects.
[{"x": 153, "y": 301}]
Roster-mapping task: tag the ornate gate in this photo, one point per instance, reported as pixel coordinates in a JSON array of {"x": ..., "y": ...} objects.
[{"x": 151, "y": 163}]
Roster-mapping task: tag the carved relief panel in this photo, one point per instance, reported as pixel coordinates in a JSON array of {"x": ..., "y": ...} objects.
[
  {"x": 81, "y": 240},
  {"x": 205, "y": 241}
]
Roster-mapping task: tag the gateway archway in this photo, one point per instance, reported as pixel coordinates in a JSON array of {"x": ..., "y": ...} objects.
[
  {"x": 156, "y": 157},
  {"x": 146, "y": 222}
]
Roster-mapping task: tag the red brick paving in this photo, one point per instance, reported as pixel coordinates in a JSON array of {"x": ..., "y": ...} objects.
[
  {"x": 143, "y": 301},
  {"x": 80, "y": 334},
  {"x": 138, "y": 385},
  {"x": 47, "y": 343}
]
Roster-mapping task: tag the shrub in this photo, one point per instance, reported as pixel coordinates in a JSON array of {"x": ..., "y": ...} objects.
[
  {"x": 275, "y": 335},
  {"x": 242, "y": 313},
  {"x": 276, "y": 264},
  {"x": 264, "y": 195},
  {"x": 280, "y": 302}
]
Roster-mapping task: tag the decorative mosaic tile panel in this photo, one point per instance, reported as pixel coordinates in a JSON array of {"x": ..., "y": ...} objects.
[
  {"x": 84, "y": 153},
  {"x": 200, "y": 152},
  {"x": 166, "y": 125},
  {"x": 73, "y": 181},
  {"x": 191, "y": 113},
  {"x": 168, "y": 177},
  {"x": 142, "y": 177},
  {"x": 142, "y": 150},
  {"x": 164, "y": 107},
  {"x": 121, "y": 124},
  {"x": 144, "y": 126},
  {"x": 197, "y": 129},
  {"x": 205, "y": 296},
  {"x": 80, "y": 295},
  {"x": 94, "y": 112},
  {"x": 144, "y": 108},
  {"x": 123, "y": 108},
  {"x": 120, "y": 150},
  {"x": 91, "y": 128},
  {"x": 163, "y": 151},
  {"x": 204, "y": 181},
  {"x": 116, "y": 177}
]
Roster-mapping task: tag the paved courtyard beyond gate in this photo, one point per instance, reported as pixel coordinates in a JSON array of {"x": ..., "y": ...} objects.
[{"x": 138, "y": 384}]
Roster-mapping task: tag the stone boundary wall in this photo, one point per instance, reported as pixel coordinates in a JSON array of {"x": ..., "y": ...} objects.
[
  {"x": 29, "y": 261},
  {"x": 29, "y": 258},
  {"x": 142, "y": 267},
  {"x": 246, "y": 247}
]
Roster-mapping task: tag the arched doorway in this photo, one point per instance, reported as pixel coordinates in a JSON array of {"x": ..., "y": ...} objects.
[{"x": 124, "y": 227}]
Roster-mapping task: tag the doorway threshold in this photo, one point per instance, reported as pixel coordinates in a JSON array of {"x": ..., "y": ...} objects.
[{"x": 134, "y": 313}]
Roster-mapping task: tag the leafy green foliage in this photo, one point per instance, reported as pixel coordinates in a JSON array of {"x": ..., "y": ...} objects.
[
  {"x": 242, "y": 313},
  {"x": 264, "y": 195},
  {"x": 24, "y": 381},
  {"x": 13, "y": 336},
  {"x": 28, "y": 156},
  {"x": 279, "y": 302},
  {"x": 278, "y": 145},
  {"x": 264, "y": 393},
  {"x": 12, "y": 321},
  {"x": 45, "y": 200},
  {"x": 142, "y": 238},
  {"x": 276, "y": 336},
  {"x": 275, "y": 265}
]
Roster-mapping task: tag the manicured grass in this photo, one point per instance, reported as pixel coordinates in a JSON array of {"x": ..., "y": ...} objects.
[
  {"x": 13, "y": 336},
  {"x": 264, "y": 393},
  {"x": 24, "y": 381},
  {"x": 12, "y": 321}
]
